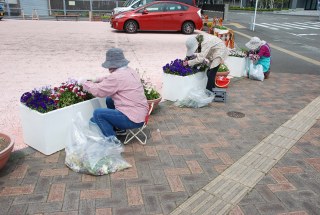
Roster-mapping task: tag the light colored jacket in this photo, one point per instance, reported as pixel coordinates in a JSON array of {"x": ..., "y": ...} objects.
[
  {"x": 213, "y": 50},
  {"x": 125, "y": 88}
]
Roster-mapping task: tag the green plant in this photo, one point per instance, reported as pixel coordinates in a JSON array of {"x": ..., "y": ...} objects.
[
  {"x": 105, "y": 17},
  {"x": 237, "y": 53},
  {"x": 47, "y": 99},
  {"x": 221, "y": 27},
  {"x": 151, "y": 93},
  {"x": 149, "y": 89},
  {"x": 209, "y": 24},
  {"x": 223, "y": 68}
]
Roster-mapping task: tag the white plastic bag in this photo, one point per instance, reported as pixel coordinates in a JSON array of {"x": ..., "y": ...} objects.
[
  {"x": 196, "y": 98},
  {"x": 91, "y": 152},
  {"x": 256, "y": 72}
]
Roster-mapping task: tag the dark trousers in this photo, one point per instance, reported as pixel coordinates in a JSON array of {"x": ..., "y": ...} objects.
[{"x": 211, "y": 73}]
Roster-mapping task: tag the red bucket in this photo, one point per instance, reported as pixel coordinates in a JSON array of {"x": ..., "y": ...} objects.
[{"x": 222, "y": 81}]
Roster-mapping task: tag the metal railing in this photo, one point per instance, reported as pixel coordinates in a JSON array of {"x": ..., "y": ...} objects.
[{"x": 55, "y": 7}]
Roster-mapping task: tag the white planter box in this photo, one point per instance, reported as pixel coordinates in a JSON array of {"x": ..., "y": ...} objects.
[
  {"x": 220, "y": 31},
  {"x": 236, "y": 66},
  {"x": 177, "y": 87},
  {"x": 50, "y": 132}
]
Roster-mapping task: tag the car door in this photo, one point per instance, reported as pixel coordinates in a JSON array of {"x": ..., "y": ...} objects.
[
  {"x": 174, "y": 15},
  {"x": 150, "y": 17}
]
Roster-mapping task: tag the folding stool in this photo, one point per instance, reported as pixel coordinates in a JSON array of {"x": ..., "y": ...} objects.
[{"x": 133, "y": 133}]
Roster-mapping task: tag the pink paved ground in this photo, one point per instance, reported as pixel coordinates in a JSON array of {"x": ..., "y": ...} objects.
[{"x": 39, "y": 53}]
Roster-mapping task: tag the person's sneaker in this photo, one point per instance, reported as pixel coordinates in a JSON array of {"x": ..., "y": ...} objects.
[
  {"x": 121, "y": 132},
  {"x": 92, "y": 120}
]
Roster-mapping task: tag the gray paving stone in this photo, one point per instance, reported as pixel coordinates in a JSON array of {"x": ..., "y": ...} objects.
[
  {"x": 177, "y": 197},
  {"x": 87, "y": 207},
  {"x": 179, "y": 162},
  {"x": 151, "y": 204},
  {"x": 102, "y": 182},
  {"x": 270, "y": 209},
  {"x": 249, "y": 210},
  {"x": 17, "y": 209},
  {"x": 289, "y": 200},
  {"x": 34, "y": 198},
  {"x": 71, "y": 201},
  {"x": 158, "y": 177},
  {"x": 266, "y": 193},
  {"x": 192, "y": 188},
  {"x": 43, "y": 185},
  {"x": 111, "y": 202},
  {"x": 154, "y": 189},
  {"x": 80, "y": 186},
  {"x": 252, "y": 197},
  {"x": 140, "y": 181},
  {"x": 73, "y": 178},
  {"x": 306, "y": 194},
  {"x": 311, "y": 208},
  {"x": 136, "y": 210},
  {"x": 267, "y": 180},
  {"x": 34, "y": 208},
  {"x": 165, "y": 159},
  {"x": 5, "y": 203}
]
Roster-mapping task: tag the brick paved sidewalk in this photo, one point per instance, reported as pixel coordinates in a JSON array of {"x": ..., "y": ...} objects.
[
  {"x": 187, "y": 149},
  {"x": 292, "y": 186}
]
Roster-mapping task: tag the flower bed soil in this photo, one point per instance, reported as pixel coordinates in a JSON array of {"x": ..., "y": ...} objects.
[{"x": 3, "y": 143}]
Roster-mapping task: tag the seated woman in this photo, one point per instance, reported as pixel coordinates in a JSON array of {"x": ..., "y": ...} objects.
[
  {"x": 126, "y": 102},
  {"x": 262, "y": 49}
]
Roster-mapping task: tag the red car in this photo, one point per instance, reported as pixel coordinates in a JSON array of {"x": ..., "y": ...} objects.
[{"x": 160, "y": 15}]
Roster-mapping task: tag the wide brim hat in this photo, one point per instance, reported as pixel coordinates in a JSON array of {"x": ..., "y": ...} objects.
[
  {"x": 115, "y": 59},
  {"x": 254, "y": 43},
  {"x": 192, "y": 45}
]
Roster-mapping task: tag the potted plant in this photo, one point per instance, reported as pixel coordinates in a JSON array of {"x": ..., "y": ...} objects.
[
  {"x": 210, "y": 27},
  {"x": 152, "y": 95},
  {"x": 236, "y": 62},
  {"x": 223, "y": 70},
  {"x": 220, "y": 29},
  {"x": 47, "y": 113},
  {"x": 179, "y": 80},
  {"x": 6, "y": 146}
]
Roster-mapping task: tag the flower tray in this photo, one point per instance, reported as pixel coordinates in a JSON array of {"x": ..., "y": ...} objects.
[{"x": 50, "y": 132}]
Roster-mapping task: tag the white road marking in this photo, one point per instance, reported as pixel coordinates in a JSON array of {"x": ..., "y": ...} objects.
[{"x": 272, "y": 28}]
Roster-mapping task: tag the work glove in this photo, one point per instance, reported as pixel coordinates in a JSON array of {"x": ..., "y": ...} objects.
[{"x": 82, "y": 80}]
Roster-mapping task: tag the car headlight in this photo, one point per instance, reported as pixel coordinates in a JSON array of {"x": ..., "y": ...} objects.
[{"x": 119, "y": 16}]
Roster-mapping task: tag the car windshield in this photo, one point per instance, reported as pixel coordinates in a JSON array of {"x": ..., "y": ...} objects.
[
  {"x": 138, "y": 8},
  {"x": 128, "y": 3}
]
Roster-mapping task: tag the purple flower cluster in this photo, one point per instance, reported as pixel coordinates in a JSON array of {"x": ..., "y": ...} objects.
[
  {"x": 46, "y": 99},
  {"x": 176, "y": 68},
  {"x": 39, "y": 101}
]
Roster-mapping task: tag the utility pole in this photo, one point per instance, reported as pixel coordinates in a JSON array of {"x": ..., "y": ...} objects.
[
  {"x": 255, "y": 16},
  {"x": 64, "y": 7}
]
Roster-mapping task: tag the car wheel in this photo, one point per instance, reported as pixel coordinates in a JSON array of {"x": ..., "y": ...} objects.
[
  {"x": 131, "y": 26},
  {"x": 188, "y": 28}
]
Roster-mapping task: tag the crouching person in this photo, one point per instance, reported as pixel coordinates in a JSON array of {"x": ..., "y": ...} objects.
[{"x": 127, "y": 105}]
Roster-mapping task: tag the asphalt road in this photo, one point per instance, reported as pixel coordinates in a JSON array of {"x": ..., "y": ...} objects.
[{"x": 296, "y": 34}]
